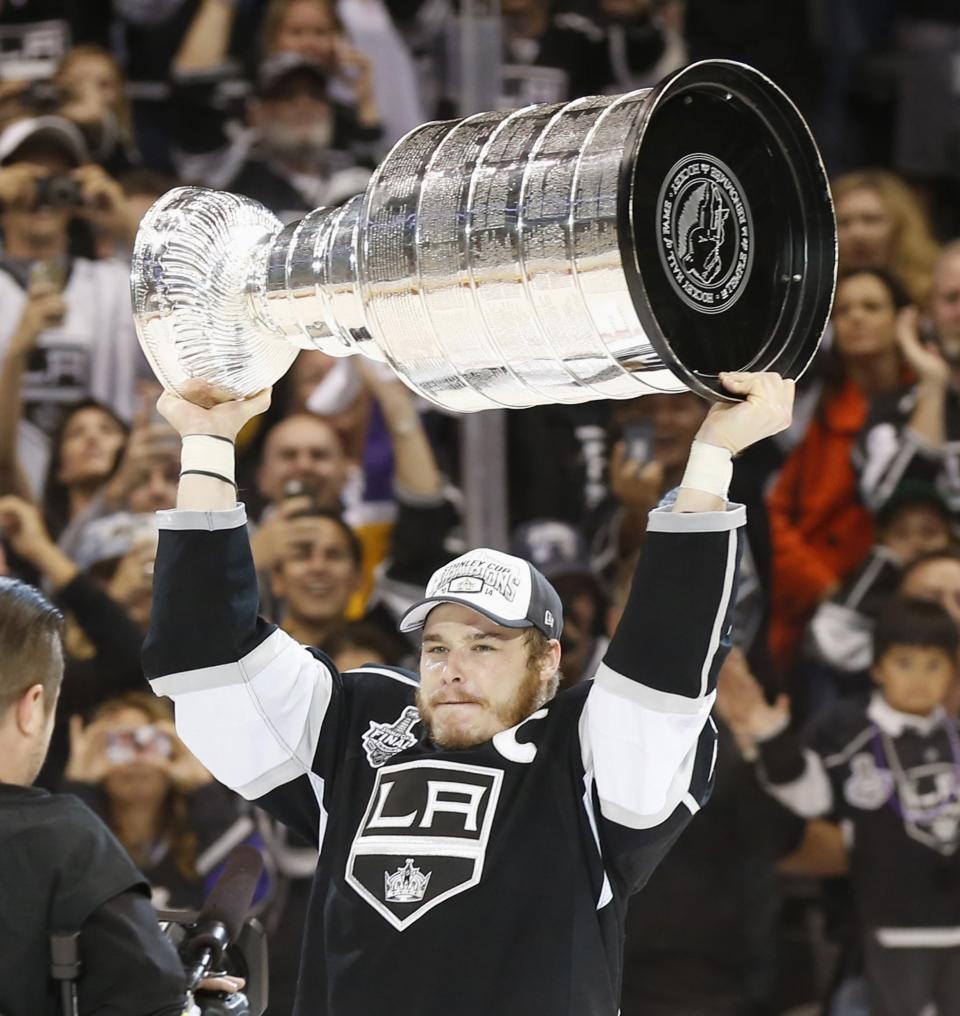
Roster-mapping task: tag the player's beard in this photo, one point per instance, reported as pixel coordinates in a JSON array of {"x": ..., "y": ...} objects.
[{"x": 527, "y": 698}]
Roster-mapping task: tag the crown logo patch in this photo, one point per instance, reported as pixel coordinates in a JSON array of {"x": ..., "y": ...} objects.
[{"x": 406, "y": 885}]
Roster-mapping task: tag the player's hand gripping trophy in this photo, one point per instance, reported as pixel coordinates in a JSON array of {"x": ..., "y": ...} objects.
[{"x": 606, "y": 248}]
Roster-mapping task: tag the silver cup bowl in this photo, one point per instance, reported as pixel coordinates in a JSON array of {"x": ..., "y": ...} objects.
[{"x": 605, "y": 248}]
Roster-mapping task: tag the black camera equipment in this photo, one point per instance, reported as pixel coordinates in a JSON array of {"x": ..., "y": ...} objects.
[
  {"x": 65, "y": 968},
  {"x": 58, "y": 192},
  {"x": 220, "y": 940},
  {"x": 41, "y": 97}
]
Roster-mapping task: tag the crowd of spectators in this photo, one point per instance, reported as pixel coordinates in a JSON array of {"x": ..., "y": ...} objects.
[{"x": 833, "y": 782}]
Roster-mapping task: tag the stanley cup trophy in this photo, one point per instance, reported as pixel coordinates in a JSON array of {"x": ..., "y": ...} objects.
[{"x": 610, "y": 247}]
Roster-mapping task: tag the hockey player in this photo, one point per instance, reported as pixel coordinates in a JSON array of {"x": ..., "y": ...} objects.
[{"x": 479, "y": 834}]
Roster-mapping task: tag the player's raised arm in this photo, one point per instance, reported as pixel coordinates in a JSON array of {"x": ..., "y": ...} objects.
[
  {"x": 644, "y": 732},
  {"x": 250, "y": 701}
]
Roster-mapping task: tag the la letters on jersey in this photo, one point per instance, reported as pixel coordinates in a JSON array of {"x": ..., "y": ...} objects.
[{"x": 423, "y": 837}]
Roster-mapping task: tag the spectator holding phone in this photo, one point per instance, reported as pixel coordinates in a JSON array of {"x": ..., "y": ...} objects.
[
  {"x": 308, "y": 129},
  {"x": 92, "y": 86},
  {"x": 57, "y": 351},
  {"x": 914, "y": 433},
  {"x": 139, "y": 474},
  {"x": 130, "y": 767}
]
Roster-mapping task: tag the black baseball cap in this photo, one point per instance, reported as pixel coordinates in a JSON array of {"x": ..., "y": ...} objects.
[
  {"x": 507, "y": 589},
  {"x": 53, "y": 132},
  {"x": 911, "y": 493},
  {"x": 554, "y": 546},
  {"x": 277, "y": 68}
]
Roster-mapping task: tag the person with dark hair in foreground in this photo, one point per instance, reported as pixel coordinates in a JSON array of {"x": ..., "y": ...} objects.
[
  {"x": 62, "y": 869},
  {"x": 461, "y": 812}
]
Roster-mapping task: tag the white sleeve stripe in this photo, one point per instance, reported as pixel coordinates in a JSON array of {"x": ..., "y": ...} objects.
[
  {"x": 318, "y": 784},
  {"x": 888, "y": 483},
  {"x": 606, "y": 892},
  {"x": 721, "y": 611},
  {"x": 228, "y": 518},
  {"x": 300, "y": 762},
  {"x": 665, "y": 520},
  {"x": 810, "y": 794},
  {"x": 643, "y": 761},
  {"x": 263, "y": 731},
  {"x": 383, "y": 672},
  {"x": 918, "y": 938},
  {"x": 691, "y": 803},
  {"x": 225, "y": 674},
  {"x": 649, "y": 698}
]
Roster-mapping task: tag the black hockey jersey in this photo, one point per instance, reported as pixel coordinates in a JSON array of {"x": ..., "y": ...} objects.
[
  {"x": 490, "y": 879},
  {"x": 893, "y": 780},
  {"x": 888, "y": 451}
]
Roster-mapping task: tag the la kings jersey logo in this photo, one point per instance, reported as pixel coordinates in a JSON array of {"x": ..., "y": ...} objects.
[
  {"x": 384, "y": 740},
  {"x": 423, "y": 837}
]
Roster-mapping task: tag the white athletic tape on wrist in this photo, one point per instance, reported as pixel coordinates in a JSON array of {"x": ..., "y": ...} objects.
[
  {"x": 709, "y": 468},
  {"x": 208, "y": 454}
]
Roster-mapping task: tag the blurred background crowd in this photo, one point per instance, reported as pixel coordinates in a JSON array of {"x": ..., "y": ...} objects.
[{"x": 356, "y": 489}]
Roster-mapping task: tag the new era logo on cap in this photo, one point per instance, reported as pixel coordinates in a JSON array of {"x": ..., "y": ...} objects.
[{"x": 504, "y": 588}]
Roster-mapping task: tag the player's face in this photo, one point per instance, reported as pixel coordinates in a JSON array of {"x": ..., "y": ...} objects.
[
  {"x": 915, "y": 679},
  {"x": 476, "y": 677}
]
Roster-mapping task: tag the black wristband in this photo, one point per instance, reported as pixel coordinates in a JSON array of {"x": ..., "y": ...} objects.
[
  {"x": 216, "y": 437},
  {"x": 206, "y": 472}
]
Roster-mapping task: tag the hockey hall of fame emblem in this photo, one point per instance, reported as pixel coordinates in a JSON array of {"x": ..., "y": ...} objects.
[{"x": 705, "y": 233}]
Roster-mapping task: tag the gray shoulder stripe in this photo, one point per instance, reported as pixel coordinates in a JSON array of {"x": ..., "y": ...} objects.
[
  {"x": 716, "y": 631},
  {"x": 664, "y": 520},
  {"x": 631, "y": 820},
  {"x": 228, "y": 518},
  {"x": 225, "y": 674}
]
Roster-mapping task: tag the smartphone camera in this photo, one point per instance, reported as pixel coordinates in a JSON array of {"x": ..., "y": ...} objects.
[
  {"x": 41, "y": 97},
  {"x": 58, "y": 192},
  {"x": 638, "y": 437}
]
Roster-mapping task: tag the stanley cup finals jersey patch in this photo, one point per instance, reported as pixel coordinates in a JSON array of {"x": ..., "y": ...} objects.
[
  {"x": 384, "y": 740},
  {"x": 423, "y": 837}
]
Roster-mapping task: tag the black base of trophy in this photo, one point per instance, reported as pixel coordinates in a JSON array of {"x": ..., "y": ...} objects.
[{"x": 725, "y": 174}]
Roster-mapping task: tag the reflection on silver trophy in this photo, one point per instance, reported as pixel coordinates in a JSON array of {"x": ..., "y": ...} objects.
[{"x": 605, "y": 248}]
